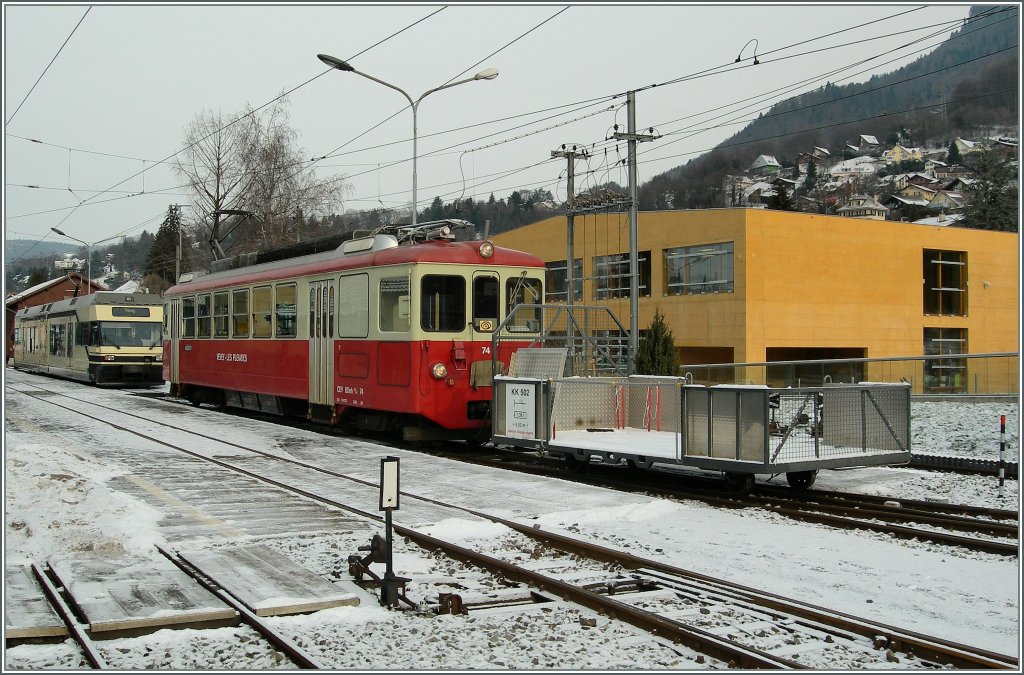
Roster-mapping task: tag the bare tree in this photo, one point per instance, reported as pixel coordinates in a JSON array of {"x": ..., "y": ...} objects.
[
  {"x": 214, "y": 165},
  {"x": 285, "y": 189},
  {"x": 251, "y": 164}
]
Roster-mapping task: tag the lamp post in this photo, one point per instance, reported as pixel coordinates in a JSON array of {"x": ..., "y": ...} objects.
[
  {"x": 88, "y": 252},
  {"x": 333, "y": 62}
]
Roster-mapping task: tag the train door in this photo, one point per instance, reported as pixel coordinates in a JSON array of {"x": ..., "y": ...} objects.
[
  {"x": 321, "y": 342},
  {"x": 172, "y": 318}
]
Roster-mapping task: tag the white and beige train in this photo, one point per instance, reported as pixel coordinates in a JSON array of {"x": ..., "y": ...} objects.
[{"x": 107, "y": 338}]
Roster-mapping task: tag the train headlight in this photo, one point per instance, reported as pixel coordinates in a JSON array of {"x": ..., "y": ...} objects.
[
  {"x": 108, "y": 357},
  {"x": 439, "y": 371},
  {"x": 158, "y": 359},
  {"x": 486, "y": 249}
]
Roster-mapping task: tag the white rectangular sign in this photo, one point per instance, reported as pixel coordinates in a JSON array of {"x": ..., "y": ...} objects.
[{"x": 520, "y": 410}]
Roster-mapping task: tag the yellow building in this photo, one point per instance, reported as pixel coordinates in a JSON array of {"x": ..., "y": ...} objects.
[{"x": 755, "y": 285}]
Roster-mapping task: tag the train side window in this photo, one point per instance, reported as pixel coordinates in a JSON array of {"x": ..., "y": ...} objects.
[
  {"x": 353, "y": 306},
  {"x": 166, "y": 322},
  {"x": 203, "y": 316},
  {"x": 188, "y": 318},
  {"x": 443, "y": 303},
  {"x": 220, "y": 314},
  {"x": 286, "y": 310},
  {"x": 261, "y": 317},
  {"x": 240, "y": 313},
  {"x": 394, "y": 304},
  {"x": 521, "y": 290},
  {"x": 312, "y": 312}
]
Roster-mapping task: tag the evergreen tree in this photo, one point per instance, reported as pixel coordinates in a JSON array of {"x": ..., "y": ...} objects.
[
  {"x": 811, "y": 181},
  {"x": 781, "y": 201},
  {"x": 953, "y": 156},
  {"x": 656, "y": 353},
  {"x": 162, "y": 257},
  {"x": 992, "y": 198}
]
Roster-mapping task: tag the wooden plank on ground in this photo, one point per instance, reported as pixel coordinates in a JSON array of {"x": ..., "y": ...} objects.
[
  {"x": 27, "y": 612},
  {"x": 121, "y": 593},
  {"x": 267, "y": 582}
]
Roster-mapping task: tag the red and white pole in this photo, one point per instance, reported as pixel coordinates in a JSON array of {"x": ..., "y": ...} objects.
[{"x": 1002, "y": 453}]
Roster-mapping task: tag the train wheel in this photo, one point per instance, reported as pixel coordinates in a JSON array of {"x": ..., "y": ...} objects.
[
  {"x": 739, "y": 483},
  {"x": 801, "y": 480},
  {"x": 576, "y": 465}
]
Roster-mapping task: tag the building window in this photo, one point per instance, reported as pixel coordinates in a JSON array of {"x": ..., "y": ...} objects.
[
  {"x": 945, "y": 283},
  {"x": 947, "y": 374},
  {"x": 556, "y": 281},
  {"x": 692, "y": 270},
  {"x": 611, "y": 275}
]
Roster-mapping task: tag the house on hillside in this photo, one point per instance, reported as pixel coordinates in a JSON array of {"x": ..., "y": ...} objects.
[
  {"x": 764, "y": 165},
  {"x": 863, "y": 206},
  {"x": 898, "y": 203},
  {"x": 947, "y": 173},
  {"x": 914, "y": 191},
  {"x": 959, "y": 184},
  {"x": 931, "y": 165},
  {"x": 867, "y": 144},
  {"x": 899, "y": 153},
  {"x": 966, "y": 147},
  {"x": 948, "y": 201},
  {"x": 733, "y": 188},
  {"x": 858, "y": 167}
]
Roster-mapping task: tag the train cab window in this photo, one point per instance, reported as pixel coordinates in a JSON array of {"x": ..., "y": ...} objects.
[
  {"x": 240, "y": 313},
  {"x": 188, "y": 317},
  {"x": 394, "y": 304},
  {"x": 261, "y": 317},
  {"x": 203, "y": 316},
  {"x": 220, "y": 314},
  {"x": 286, "y": 310},
  {"x": 486, "y": 290},
  {"x": 443, "y": 303},
  {"x": 521, "y": 290},
  {"x": 330, "y": 312}
]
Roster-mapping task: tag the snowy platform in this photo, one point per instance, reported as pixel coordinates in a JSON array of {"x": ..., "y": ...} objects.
[
  {"x": 266, "y": 581},
  {"x": 120, "y": 593},
  {"x": 27, "y": 612}
]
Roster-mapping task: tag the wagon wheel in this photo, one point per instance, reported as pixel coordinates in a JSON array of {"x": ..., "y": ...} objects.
[
  {"x": 801, "y": 480},
  {"x": 739, "y": 483}
]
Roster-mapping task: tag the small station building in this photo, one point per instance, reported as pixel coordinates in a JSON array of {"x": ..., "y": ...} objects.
[{"x": 742, "y": 285}]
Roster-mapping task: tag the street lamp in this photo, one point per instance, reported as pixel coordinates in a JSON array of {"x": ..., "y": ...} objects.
[
  {"x": 88, "y": 251},
  {"x": 333, "y": 62}
]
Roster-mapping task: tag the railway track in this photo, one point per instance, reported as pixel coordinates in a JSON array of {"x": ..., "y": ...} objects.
[
  {"x": 820, "y": 633},
  {"x": 989, "y": 530}
]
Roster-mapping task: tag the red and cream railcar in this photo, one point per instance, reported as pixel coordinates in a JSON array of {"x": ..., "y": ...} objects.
[{"x": 375, "y": 334}]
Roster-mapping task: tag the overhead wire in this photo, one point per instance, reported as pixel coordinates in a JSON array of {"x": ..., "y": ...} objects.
[{"x": 47, "y": 68}]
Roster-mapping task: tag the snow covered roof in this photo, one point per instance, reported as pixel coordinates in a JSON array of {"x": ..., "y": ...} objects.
[
  {"x": 870, "y": 140},
  {"x": 941, "y": 219},
  {"x": 910, "y": 201},
  {"x": 763, "y": 161},
  {"x": 129, "y": 287}
]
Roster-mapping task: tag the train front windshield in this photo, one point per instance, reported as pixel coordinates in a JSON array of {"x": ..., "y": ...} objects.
[{"x": 127, "y": 334}]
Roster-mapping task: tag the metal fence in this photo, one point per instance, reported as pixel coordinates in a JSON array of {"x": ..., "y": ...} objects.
[{"x": 976, "y": 374}]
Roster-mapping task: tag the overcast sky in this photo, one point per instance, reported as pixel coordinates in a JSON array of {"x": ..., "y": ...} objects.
[{"x": 117, "y": 97}]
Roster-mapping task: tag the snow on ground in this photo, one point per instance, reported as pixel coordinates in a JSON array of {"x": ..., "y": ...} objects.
[{"x": 57, "y": 499}]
